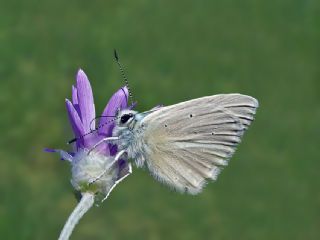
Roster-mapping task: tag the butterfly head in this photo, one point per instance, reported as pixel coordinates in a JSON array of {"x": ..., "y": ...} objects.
[{"x": 125, "y": 118}]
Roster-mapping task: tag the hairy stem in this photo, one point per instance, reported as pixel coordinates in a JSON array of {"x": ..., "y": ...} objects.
[{"x": 83, "y": 206}]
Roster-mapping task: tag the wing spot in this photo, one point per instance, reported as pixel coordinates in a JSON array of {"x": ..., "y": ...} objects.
[
  {"x": 191, "y": 116},
  {"x": 165, "y": 125},
  {"x": 212, "y": 133}
]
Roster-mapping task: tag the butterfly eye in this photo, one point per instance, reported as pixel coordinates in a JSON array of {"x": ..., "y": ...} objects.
[{"x": 125, "y": 118}]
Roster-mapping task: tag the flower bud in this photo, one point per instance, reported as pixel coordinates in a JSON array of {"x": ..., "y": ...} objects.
[{"x": 93, "y": 172}]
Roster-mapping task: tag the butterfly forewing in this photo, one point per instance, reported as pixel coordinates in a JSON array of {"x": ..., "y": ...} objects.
[{"x": 190, "y": 142}]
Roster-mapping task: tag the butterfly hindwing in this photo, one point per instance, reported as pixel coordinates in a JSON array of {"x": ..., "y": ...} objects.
[{"x": 190, "y": 142}]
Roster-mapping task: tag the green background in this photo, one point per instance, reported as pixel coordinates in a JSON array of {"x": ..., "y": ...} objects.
[{"x": 172, "y": 51}]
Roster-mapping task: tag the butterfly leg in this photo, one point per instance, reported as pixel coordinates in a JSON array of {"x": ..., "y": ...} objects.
[
  {"x": 101, "y": 141},
  {"x": 118, "y": 181},
  {"x": 116, "y": 159}
]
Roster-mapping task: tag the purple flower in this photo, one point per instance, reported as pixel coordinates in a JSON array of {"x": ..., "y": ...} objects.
[
  {"x": 87, "y": 165},
  {"x": 81, "y": 112}
]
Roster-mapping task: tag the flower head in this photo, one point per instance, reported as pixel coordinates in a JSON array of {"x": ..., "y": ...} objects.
[
  {"x": 95, "y": 169},
  {"x": 86, "y": 167}
]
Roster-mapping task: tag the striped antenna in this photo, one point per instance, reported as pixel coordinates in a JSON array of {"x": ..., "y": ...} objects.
[
  {"x": 94, "y": 130},
  {"x": 98, "y": 117},
  {"x": 123, "y": 74}
]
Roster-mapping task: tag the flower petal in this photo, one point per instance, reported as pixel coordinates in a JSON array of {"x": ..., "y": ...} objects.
[
  {"x": 113, "y": 149},
  {"x": 75, "y": 123},
  {"x": 133, "y": 105},
  {"x": 85, "y": 100},
  {"x": 75, "y": 99},
  {"x": 74, "y": 95},
  {"x": 49, "y": 150},
  {"x": 124, "y": 168},
  {"x": 64, "y": 155},
  {"x": 118, "y": 100}
]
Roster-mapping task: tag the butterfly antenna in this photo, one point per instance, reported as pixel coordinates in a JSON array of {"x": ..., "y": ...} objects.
[
  {"x": 123, "y": 74},
  {"x": 92, "y": 131},
  {"x": 98, "y": 117}
]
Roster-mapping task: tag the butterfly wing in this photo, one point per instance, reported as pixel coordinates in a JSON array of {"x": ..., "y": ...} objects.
[{"x": 190, "y": 142}]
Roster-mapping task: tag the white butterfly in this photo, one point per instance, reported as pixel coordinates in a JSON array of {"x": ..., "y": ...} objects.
[{"x": 185, "y": 144}]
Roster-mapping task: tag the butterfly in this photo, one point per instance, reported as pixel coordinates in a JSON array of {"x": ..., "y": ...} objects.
[{"x": 186, "y": 144}]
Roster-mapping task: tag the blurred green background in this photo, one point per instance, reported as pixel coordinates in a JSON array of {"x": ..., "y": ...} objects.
[{"x": 172, "y": 51}]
